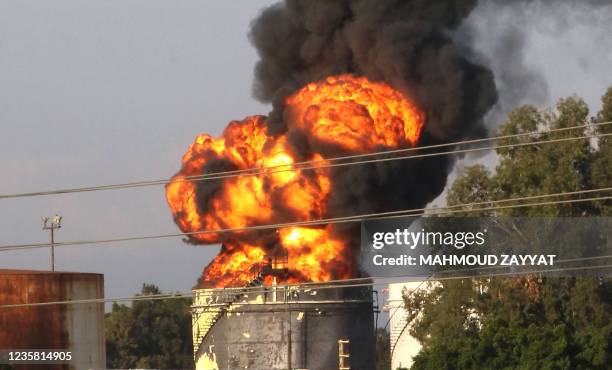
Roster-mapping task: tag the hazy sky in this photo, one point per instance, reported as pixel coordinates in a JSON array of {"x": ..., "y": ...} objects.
[{"x": 100, "y": 92}]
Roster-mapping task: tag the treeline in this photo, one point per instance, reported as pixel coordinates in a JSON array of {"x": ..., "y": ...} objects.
[
  {"x": 150, "y": 333},
  {"x": 528, "y": 322}
]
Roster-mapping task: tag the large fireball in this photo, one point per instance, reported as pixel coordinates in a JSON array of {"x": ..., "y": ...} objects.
[{"x": 352, "y": 114}]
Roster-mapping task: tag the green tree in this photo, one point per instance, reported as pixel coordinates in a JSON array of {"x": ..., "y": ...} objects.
[
  {"x": 526, "y": 322},
  {"x": 150, "y": 333},
  {"x": 602, "y": 163}
]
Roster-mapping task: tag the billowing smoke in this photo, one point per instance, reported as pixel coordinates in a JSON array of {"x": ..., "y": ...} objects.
[
  {"x": 407, "y": 44},
  {"x": 507, "y": 33}
]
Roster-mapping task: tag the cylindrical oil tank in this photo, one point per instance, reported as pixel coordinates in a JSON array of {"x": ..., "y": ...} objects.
[
  {"x": 295, "y": 327},
  {"x": 78, "y": 328}
]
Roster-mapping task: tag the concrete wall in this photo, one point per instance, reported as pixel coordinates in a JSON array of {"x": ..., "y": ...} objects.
[{"x": 77, "y": 327}]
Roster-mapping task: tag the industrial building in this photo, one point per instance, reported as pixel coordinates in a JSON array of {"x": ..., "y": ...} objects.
[
  {"x": 310, "y": 326},
  {"x": 78, "y": 328}
]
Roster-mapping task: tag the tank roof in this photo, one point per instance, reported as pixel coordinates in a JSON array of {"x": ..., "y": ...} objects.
[{"x": 42, "y": 272}]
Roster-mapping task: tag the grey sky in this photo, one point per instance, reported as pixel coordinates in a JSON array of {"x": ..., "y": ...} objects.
[{"x": 110, "y": 91}]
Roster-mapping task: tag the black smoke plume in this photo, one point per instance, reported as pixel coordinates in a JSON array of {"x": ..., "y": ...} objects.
[{"x": 407, "y": 44}]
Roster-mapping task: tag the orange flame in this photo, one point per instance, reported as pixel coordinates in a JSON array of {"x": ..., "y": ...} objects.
[{"x": 350, "y": 113}]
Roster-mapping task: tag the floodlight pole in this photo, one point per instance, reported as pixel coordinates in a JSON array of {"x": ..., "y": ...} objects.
[{"x": 52, "y": 223}]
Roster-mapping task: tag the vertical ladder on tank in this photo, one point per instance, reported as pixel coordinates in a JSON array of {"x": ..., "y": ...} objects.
[{"x": 343, "y": 354}]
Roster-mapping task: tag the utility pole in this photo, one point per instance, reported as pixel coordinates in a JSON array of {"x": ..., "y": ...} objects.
[{"x": 52, "y": 223}]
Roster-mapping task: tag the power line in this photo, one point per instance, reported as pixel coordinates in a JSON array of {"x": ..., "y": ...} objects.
[
  {"x": 343, "y": 282},
  {"x": 319, "y": 164},
  {"x": 426, "y": 155},
  {"x": 565, "y": 260},
  {"x": 150, "y": 297},
  {"x": 401, "y": 305},
  {"x": 415, "y": 212},
  {"x": 359, "y": 282},
  {"x": 513, "y": 273},
  {"x": 356, "y": 218}
]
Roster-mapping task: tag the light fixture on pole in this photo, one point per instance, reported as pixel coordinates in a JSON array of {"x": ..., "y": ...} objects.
[{"x": 52, "y": 223}]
